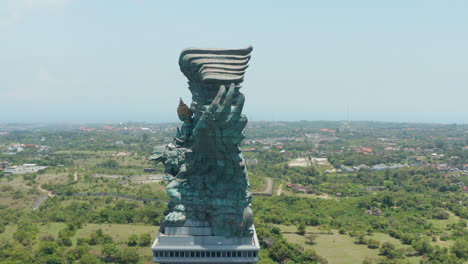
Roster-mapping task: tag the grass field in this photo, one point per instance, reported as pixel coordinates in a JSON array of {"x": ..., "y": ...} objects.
[
  {"x": 120, "y": 234},
  {"x": 28, "y": 194},
  {"x": 339, "y": 249},
  {"x": 51, "y": 229},
  {"x": 442, "y": 224}
]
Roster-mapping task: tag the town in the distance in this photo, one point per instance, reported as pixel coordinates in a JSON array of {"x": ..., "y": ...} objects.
[{"x": 346, "y": 192}]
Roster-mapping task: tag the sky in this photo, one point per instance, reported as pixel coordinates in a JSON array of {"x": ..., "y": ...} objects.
[{"x": 117, "y": 60}]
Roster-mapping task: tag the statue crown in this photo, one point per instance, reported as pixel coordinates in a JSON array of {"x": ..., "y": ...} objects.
[{"x": 183, "y": 110}]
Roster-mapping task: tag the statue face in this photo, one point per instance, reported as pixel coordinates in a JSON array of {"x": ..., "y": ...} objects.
[
  {"x": 171, "y": 163},
  {"x": 158, "y": 157}
]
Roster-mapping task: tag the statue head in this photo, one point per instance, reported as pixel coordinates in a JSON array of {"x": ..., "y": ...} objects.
[{"x": 170, "y": 156}]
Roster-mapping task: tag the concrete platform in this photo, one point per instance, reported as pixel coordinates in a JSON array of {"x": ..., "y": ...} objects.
[{"x": 195, "y": 243}]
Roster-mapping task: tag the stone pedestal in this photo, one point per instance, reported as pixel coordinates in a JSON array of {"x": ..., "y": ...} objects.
[{"x": 195, "y": 243}]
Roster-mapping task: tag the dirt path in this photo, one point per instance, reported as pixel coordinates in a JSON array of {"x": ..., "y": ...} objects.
[
  {"x": 280, "y": 189},
  {"x": 49, "y": 193},
  {"x": 75, "y": 176},
  {"x": 42, "y": 199}
]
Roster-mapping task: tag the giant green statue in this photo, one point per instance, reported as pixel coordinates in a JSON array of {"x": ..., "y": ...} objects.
[{"x": 204, "y": 164}]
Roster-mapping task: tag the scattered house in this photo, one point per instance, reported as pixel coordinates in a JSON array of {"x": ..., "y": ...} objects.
[
  {"x": 364, "y": 150},
  {"x": 12, "y": 150},
  {"x": 381, "y": 166},
  {"x": 149, "y": 169},
  {"x": 300, "y": 162},
  {"x": 319, "y": 161},
  {"x": 4, "y": 164},
  {"x": 328, "y": 130},
  {"x": 392, "y": 148},
  {"x": 346, "y": 169},
  {"x": 85, "y": 129},
  {"x": 250, "y": 150},
  {"x": 408, "y": 150},
  {"x": 43, "y": 150},
  {"x": 300, "y": 188},
  {"x": 360, "y": 167},
  {"x": 376, "y": 212},
  {"x": 119, "y": 142},
  {"x": 23, "y": 169},
  {"x": 367, "y": 150},
  {"x": 121, "y": 154}
]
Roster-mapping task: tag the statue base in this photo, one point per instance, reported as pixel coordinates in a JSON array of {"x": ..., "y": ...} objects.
[{"x": 195, "y": 243}]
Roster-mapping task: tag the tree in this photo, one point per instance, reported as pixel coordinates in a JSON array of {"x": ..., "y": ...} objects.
[
  {"x": 111, "y": 252},
  {"x": 423, "y": 247},
  {"x": 310, "y": 239},
  {"x": 109, "y": 164},
  {"x": 460, "y": 249},
  {"x": 47, "y": 247},
  {"x": 89, "y": 259},
  {"x": 439, "y": 213},
  {"x": 132, "y": 240},
  {"x": 301, "y": 229},
  {"x": 129, "y": 256},
  {"x": 372, "y": 243},
  {"x": 280, "y": 250},
  {"x": 387, "y": 249},
  {"x": 145, "y": 240},
  {"x": 51, "y": 259}
]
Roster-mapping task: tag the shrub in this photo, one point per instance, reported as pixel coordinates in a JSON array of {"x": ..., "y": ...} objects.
[{"x": 372, "y": 243}]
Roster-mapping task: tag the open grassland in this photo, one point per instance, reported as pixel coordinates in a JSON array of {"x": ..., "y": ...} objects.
[
  {"x": 83, "y": 158},
  {"x": 443, "y": 223},
  {"x": 337, "y": 248},
  {"x": 119, "y": 232},
  {"x": 58, "y": 177},
  {"x": 16, "y": 193},
  {"x": 51, "y": 229},
  {"x": 290, "y": 192}
]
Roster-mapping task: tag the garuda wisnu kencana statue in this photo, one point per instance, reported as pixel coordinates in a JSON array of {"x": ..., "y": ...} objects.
[{"x": 204, "y": 164}]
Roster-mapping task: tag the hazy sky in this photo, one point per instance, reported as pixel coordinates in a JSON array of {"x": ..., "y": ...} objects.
[{"x": 117, "y": 60}]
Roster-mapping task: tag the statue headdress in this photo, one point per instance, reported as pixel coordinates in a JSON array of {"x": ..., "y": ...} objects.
[{"x": 183, "y": 110}]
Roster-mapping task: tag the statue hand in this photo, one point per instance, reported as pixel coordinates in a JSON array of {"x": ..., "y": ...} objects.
[{"x": 220, "y": 115}]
